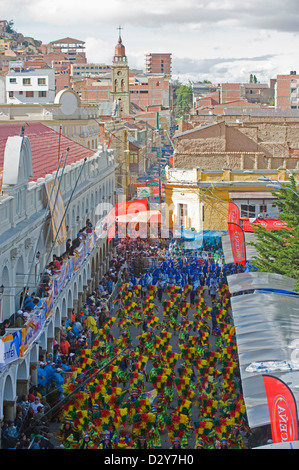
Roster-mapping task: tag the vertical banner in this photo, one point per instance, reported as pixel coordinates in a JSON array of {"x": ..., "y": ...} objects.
[
  {"x": 233, "y": 213},
  {"x": 282, "y": 409},
  {"x": 237, "y": 241},
  {"x": 57, "y": 212}
]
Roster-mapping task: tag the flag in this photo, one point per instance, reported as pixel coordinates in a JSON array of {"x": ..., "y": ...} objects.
[
  {"x": 237, "y": 240},
  {"x": 282, "y": 409},
  {"x": 233, "y": 213}
]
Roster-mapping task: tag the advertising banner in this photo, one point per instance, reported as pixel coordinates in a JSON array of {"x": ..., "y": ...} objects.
[
  {"x": 237, "y": 240},
  {"x": 269, "y": 224},
  {"x": 282, "y": 409},
  {"x": 32, "y": 329},
  {"x": 10, "y": 347},
  {"x": 144, "y": 192},
  {"x": 233, "y": 213}
]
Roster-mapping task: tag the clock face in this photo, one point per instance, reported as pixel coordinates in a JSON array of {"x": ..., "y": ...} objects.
[{"x": 119, "y": 73}]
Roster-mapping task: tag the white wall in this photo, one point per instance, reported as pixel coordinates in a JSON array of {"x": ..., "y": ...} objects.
[{"x": 19, "y": 89}]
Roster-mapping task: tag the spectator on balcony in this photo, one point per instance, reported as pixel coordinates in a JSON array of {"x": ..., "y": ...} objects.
[
  {"x": 76, "y": 242},
  {"x": 24, "y": 295},
  {"x": 68, "y": 245},
  {"x": 89, "y": 225},
  {"x": 81, "y": 235},
  {"x": 28, "y": 302},
  {"x": 57, "y": 264},
  {"x": 5, "y": 324},
  {"x": 21, "y": 320}
]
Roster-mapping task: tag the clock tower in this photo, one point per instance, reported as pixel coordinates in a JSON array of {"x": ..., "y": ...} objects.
[{"x": 120, "y": 79}]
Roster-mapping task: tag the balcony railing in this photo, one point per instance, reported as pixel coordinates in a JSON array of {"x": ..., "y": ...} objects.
[{"x": 17, "y": 341}]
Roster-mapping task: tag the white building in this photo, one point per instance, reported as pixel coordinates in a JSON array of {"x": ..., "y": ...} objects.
[
  {"x": 68, "y": 115},
  {"x": 86, "y": 184},
  {"x": 30, "y": 86}
]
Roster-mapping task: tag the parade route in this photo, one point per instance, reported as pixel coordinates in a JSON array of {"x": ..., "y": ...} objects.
[{"x": 177, "y": 384}]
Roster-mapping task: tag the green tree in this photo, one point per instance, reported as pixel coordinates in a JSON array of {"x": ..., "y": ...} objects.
[
  {"x": 183, "y": 100},
  {"x": 278, "y": 250},
  {"x": 252, "y": 78},
  {"x": 9, "y": 26}
]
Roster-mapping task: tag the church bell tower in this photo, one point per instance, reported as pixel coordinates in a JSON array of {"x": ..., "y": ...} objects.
[{"x": 120, "y": 79}]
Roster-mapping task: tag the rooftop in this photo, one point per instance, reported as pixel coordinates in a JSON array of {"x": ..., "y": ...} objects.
[
  {"x": 45, "y": 147},
  {"x": 67, "y": 41}
]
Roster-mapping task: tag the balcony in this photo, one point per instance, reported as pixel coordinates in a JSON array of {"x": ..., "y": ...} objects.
[{"x": 18, "y": 341}]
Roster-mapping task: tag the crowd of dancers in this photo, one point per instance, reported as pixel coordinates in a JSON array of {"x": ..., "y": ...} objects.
[{"x": 162, "y": 369}]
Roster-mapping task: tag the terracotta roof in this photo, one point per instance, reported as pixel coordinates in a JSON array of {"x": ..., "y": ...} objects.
[
  {"x": 67, "y": 41},
  {"x": 44, "y": 144}
]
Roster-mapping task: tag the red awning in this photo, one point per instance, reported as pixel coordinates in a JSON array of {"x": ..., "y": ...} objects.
[{"x": 277, "y": 224}]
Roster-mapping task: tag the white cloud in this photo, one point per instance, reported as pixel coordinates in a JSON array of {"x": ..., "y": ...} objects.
[{"x": 240, "y": 37}]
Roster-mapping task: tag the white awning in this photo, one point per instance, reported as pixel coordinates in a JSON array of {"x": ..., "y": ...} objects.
[
  {"x": 267, "y": 336},
  {"x": 250, "y": 195}
]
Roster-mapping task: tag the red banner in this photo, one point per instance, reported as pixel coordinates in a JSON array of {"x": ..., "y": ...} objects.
[
  {"x": 233, "y": 213},
  {"x": 282, "y": 409},
  {"x": 131, "y": 207},
  {"x": 269, "y": 224},
  {"x": 237, "y": 241}
]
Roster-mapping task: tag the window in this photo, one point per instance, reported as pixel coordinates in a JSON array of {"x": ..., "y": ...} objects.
[
  {"x": 263, "y": 208},
  {"x": 41, "y": 81},
  {"x": 26, "y": 81},
  {"x": 182, "y": 213},
  {"x": 10, "y": 94},
  {"x": 247, "y": 210},
  {"x": 12, "y": 80},
  {"x": 42, "y": 94},
  {"x": 29, "y": 94}
]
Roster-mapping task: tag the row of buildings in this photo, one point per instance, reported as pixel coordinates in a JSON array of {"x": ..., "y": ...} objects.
[
  {"x": 36, "y": 222},
  {"x": 91, "y": 152},
  {"x": 94, "y": 111},
  {"x": 279, "y": 94}
]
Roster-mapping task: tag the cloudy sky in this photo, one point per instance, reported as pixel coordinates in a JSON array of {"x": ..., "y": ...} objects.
[{"x": 216, "y": 40}]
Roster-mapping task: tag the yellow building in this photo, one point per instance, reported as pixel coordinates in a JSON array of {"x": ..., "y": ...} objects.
[
  {"x": 198, "y": 199},
  {"x": 4, "y": 44}
]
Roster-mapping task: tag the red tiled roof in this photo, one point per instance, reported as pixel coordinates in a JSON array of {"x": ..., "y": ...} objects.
[
  {"x": 67, "y": 41},
  {"x": 44, "y": 144}
]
